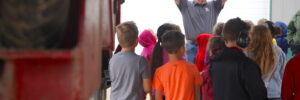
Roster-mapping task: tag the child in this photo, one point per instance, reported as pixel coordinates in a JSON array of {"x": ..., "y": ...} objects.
[
  {"x": 179, "y": 79},
  {"x": 291, "y": 79},
  {"x": 147, "y": 39},
  {"x": 159, "y": 55},
  {"x": 275, "y": 30},
  {"x": 214, "y": 46},
  {"x": 202, "y": 40},
  {"x": 217, "y": 29},
  {"x": 234, "y": 76},
  {"x": 128, "y": 71},
  {"x": 281, "y": 39},
  {"x": 270, "y": 58}
]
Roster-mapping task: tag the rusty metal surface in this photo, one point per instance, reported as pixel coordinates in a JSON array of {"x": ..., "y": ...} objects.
[
  {"x": 58, "y": 74},
  {"x": 33, "y": 24}
]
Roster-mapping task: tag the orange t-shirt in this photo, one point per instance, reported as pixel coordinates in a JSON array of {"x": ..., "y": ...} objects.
[{"x": 177, "y": 80}]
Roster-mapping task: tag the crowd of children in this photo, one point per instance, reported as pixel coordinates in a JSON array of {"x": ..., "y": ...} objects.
[{"x": 238, "y": 61}]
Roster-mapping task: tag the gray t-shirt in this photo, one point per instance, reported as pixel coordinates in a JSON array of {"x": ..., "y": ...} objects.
[
  {"x": 199, "y": 18},
  {"x": 127, "y": 71}
]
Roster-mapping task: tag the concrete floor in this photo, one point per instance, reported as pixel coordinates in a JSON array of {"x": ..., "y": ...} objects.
[{"x": 108, "y": 95}]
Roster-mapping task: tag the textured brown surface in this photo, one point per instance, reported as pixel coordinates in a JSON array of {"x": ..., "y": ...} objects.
[{"x": 32, "y": 24}]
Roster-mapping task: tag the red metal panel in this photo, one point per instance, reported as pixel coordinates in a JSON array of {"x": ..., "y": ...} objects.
[
  {"x": 44, "y": 79},
  {"x": 88, "y": 53},
  {"x": 58, "y": 75},
  {"x": 106, "y": 24}
]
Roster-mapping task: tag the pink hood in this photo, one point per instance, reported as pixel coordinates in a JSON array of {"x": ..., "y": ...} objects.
[{"x": 147, "y": 40}]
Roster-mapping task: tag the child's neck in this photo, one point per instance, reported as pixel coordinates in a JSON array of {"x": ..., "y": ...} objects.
[
  {"x": 231, "y": 44},
  {"x": 174, "y": 57},
  {"x": 127, "y": 49}
]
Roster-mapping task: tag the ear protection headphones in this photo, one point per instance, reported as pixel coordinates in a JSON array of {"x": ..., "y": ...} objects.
[{"x": 243, "y": 39}]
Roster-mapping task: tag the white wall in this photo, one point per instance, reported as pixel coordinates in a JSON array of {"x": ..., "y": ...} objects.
[
  {"x": 245, "y": 9},
  {"x": 283, "y": 10},
  {"x": 153, "y": 13}
]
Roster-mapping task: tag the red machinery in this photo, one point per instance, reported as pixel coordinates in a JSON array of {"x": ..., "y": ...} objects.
[{"x": 72, "y": 74}]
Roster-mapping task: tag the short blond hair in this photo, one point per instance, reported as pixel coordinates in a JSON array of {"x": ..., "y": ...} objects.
[
  {"x": 218, "y": 29},
  {"x": 127, "y": 34}
]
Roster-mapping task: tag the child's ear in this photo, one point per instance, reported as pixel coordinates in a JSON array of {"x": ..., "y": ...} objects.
[
  {"x": 136, "y": 42},
  {"x": 182, "y": 49}
]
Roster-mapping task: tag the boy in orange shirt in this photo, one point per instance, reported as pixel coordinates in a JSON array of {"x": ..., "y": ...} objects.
[{"x": 178, "y": 79}]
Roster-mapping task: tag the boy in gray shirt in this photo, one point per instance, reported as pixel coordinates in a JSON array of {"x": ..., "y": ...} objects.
[{"x": 128, "y": 71}]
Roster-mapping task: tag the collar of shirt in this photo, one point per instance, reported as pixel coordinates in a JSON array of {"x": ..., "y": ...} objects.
[
  {"x": 197, "y": 4},
  {"x": 235, "y": 48}
]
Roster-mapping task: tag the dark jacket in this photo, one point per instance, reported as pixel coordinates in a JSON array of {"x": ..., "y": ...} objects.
[{"x": 236, "y": 77}]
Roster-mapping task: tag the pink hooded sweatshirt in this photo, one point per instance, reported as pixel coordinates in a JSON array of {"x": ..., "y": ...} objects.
[{"x": 147, "y": 40}]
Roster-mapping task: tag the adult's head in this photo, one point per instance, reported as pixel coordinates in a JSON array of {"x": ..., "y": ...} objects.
[
  {"x": 283, "y": 27},
  {"x": 200, "y": 1},
  {"x": 173, "y": 42},
  {"x": 127, "y": 34},
  {"x": 232, "y": 30},
  {"x": 261, "y": 48},
  {"x": 218, "y": 29}
]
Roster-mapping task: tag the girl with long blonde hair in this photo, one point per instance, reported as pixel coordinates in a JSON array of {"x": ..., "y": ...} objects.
[
  {"x": 269, "y": 57},
  {"x": 261, "y": 48}
]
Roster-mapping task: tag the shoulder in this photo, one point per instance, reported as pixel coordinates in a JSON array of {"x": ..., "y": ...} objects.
[
  {"x": 161, "y": 69},
  {"x": 278, "y": 51},
  {"x": 116, "y": 56},
  {"x": 141, "y": 58},
  {"x": 249, "y": 65},
  {"x": 293, "y": 64},
  {"x": 276, "y": 48},
  {"x": 188, "y": 64},
  {"x": 294, "y": 61}
]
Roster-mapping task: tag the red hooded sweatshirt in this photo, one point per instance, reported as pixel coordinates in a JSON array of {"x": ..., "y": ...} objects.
[
  {"x": 290, "y": 89},
  {"x": 202, "y": 41}
]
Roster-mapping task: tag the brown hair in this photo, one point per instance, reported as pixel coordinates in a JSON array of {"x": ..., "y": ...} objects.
[
  {"x": 172, "y": 41},
  {"x": 249, "y": 22},
  {"x": 156, "y": 58},
  {"x": 218, "y": 29},
  {"x": 261, "y": 47},
  {"x": 214, "y": 44},
  {"x": 127, "y": 33},
  {"x": 275, "y": 30},
  {"x": 232, "y": 29},
  {"x": 261, "y": 21}
]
